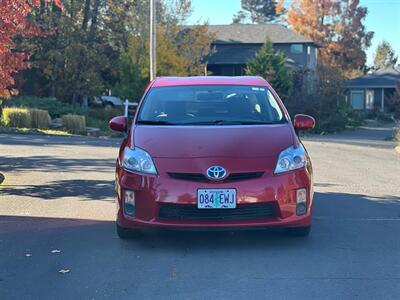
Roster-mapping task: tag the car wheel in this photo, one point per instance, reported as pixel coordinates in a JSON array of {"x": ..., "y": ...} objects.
[
  {"x": 127, "y": 233},
  {"x": 298, "y": 231}
]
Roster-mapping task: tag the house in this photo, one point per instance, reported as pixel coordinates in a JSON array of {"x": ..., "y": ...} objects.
[
  {"x": 236, "y": 44},
  {"x": 372, "y": 91}
]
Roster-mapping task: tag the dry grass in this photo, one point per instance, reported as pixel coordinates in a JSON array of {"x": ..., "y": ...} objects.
[
  {"x": 74, "y": 123},
  {"x": 40, "y": 119},
  {"x": 19, "y": 117},
  {"x": 33, "y": 131}
]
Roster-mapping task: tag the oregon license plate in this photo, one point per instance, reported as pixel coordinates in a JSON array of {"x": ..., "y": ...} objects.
[{"x": 216, "y": 198}]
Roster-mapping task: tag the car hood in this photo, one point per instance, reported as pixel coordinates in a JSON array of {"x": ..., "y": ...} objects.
[{"x": 213, "y": 141}]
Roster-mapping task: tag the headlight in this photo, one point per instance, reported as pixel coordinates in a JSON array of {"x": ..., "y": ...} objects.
[
  {"x": 291, "y": 159},
  {"x": 138, "y": 160}
]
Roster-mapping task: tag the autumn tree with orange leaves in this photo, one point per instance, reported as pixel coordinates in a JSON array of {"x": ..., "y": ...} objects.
[
  {"x": 337, "y": 25},
  {"x": 14, "y": 23}
]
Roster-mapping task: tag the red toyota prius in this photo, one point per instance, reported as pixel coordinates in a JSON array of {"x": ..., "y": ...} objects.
[{"x": 213, "y": 152}]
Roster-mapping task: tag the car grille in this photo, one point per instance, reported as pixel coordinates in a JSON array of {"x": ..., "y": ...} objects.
[
  {"x": 202, "y": 178},
  {"x": 242, "y": 212}
]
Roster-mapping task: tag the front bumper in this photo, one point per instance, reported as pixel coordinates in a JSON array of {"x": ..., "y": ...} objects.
[{"x": 153, "y": 192}]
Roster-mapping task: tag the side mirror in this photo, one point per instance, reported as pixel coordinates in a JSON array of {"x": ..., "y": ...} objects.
[
  {"x": 303, "y": 122},
  {"x": 118, "y": 123}
]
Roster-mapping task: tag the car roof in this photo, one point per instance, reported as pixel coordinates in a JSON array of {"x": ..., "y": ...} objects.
[{"x": 210, "y": 80}]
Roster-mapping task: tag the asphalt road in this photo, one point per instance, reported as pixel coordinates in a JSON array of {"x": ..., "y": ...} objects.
[{"x": 58, "y": 195}]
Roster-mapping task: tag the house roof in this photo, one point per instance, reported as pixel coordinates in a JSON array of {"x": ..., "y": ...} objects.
[
  {"x": 256, "y": 34},
  {"x": 239, "y": 55},
  {"x": 384, "y": 78},
  {"x": 233, "y": 54}
]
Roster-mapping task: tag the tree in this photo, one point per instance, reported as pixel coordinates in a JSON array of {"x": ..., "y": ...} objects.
[
  {"x": 102, "y": 45},
  {"x": 258, "y": 11},
  {"x": 14, "y": 23},
  {"x": 180, "y": 49},
  {"x": 271, "y": 66},
  {"x": 337, "y": 25},
  {"x": 353, "y": 39},
  {"x": 194, "y": 43},
  {"x": 133, "y": 71},
  {"x": 81, "y": 57},
  {"x": 384, "y": 56},
  {"x": 240, "y": 17},
  {"x": 176, "y": 11}
]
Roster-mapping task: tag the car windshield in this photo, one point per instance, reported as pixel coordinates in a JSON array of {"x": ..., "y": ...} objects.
[{"x": 210, "y": 105}]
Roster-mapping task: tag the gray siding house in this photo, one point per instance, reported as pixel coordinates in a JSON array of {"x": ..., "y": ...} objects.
[
  {"x": 235, "y": 44},
  {"x": 372, "y": 91}
]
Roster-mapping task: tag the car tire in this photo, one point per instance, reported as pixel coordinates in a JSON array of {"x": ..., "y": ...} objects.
[
  {"x": 127, "y": 233},
  {"x": 299, "y": 231}
]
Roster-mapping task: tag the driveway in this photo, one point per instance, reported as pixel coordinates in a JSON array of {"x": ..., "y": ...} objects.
[{"x": 57, "y": 211}]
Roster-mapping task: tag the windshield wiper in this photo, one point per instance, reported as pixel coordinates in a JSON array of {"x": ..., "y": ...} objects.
[
  {"x": 260, "y": 123},
  {"x": 149, "y": 122},
  {"x": 227, "y": 122},
  {"x": 217, "y": 122},
  {"x": 214, "y": 123}
]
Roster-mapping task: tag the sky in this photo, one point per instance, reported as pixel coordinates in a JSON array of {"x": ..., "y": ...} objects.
[{"x": 383, "y": 18}]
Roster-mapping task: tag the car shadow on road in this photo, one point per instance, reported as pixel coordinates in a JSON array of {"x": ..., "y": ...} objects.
[
  {"x": 340, "y": 220},
  {"x": 354, "y": 240},
  {"x": 44, "y": 163},
  {"x": 337, "y": 217},
  {"x": 49, "y": 141},
  {"x": 85, "y": 189}
]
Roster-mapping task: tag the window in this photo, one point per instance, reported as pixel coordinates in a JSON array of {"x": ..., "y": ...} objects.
[
  {"x": 296, "y": 48},
  {"x": 357, "y": 99},
  {"x": 369, "y": 104},
  {"x": 210, "y": 105}
]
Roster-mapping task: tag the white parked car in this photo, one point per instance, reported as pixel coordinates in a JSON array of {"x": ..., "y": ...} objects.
[{"x": 109, "y": 101}]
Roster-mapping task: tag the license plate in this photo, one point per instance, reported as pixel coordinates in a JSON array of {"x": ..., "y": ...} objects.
[{"x": 216, "y": 198}]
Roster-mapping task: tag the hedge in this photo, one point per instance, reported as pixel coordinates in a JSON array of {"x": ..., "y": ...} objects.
[
  {"x": 40, "y": 118},
  {"x": 55, "y": 108},
  {"x": 74, "y": 123},
  {"x": 16, "y": 117}
]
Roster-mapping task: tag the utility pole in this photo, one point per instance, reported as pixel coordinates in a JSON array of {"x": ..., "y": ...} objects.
[{"x": 153, "y": 40}]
